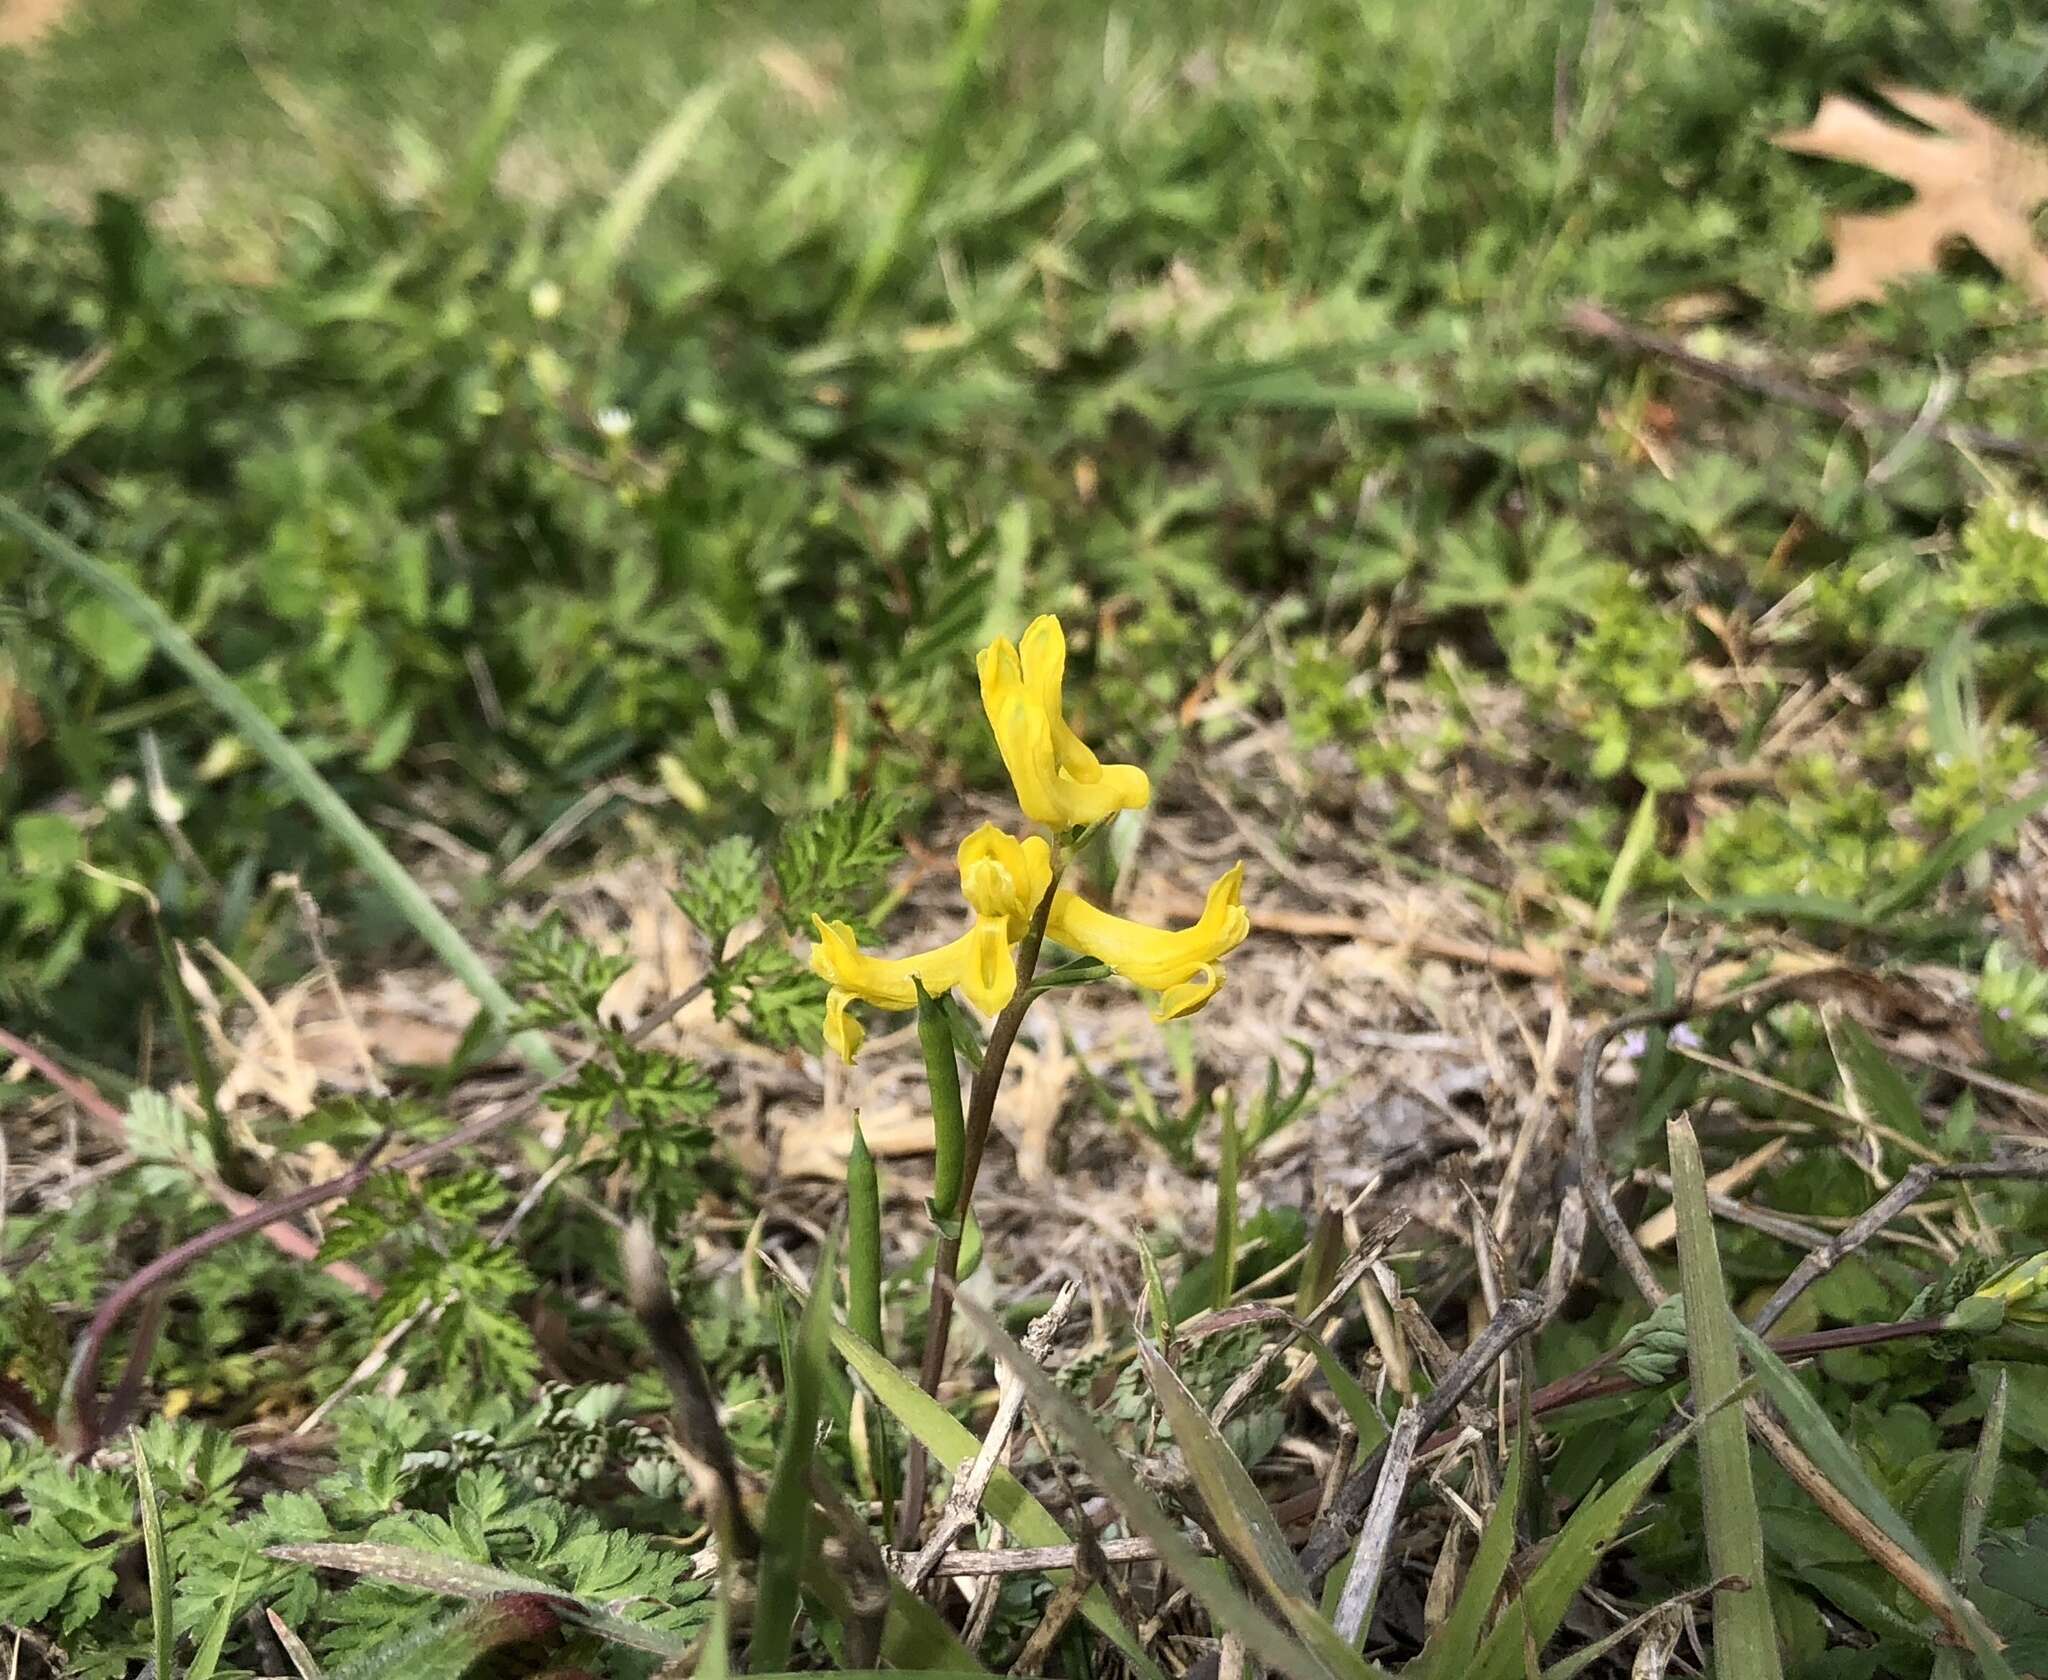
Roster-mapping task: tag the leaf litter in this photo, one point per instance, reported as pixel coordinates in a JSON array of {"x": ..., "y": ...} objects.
[{"x": 1973, "y": 182}]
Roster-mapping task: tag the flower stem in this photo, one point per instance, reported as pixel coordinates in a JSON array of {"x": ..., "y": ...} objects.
[{"x": 981, "y": 1109}]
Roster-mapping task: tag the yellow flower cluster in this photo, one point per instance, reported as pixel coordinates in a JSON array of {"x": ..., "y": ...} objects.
[{"x": 1063, "y": 785}]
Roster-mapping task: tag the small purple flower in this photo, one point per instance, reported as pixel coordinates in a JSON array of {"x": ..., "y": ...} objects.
[{"x": 1635, "y": 1044}]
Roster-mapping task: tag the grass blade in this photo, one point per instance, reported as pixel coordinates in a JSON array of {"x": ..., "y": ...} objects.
[
  {"x": 950, "y": 1442},
  {"x": 406, "y": 1566},
  {"x": 1872, "y": 1078},
  {"x": 659, "y": 159},
  {"x": 162, "y": 1636},
  {"x": 1231, "y": 1611},
  {"x": 1450, "y": 1653},
  {"x": 886, "y": 249},
  {"x": 1225, "y": 1278},
  {"x": 786, "y": 1537},
  {"x": 1745, "y": 1637},
  {"x": 1635, "y": 846},
  {"x": 1976, "y": 1507},
  {"x": 294, "y": 766},
  {"x": 714, "y": 1654},
  {"x": 1819, "y": 1439},
  {"x": 1538, "y": 1609},
  {"x": 206, "y": 1659},
  {"x": 1987, "y": 831},
  {"x": 508, "y": 93},
  {"x": 295, "y": 1650},
  {"x": 1244, "y": 1530},
  {"x": 185, "y": 1018}
]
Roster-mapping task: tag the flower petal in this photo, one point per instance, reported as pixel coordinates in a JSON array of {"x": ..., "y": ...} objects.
[
  {"x": 1003, "y": 876},
  {"x": 1059, "y": 781},
  {"x": 988, "y": 979},
  {"x": 842, "y": 1031},
  {"x": 1190, "y": 995},
  {"x": 1156, "y": 958}
]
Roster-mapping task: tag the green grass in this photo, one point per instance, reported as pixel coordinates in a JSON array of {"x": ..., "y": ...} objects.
[
  {"x": 1192, "y": 316},
  {"x": 1237, "y": 337}
]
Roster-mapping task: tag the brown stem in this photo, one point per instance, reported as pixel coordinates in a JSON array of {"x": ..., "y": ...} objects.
[
  {"x": 79, "y": 1408},
  {"x": 1590, "y": 1384},
  {"x": 1592, "y": 321},
  {"x": 288, "y": 1239},
  {"x": 981, "y": 1110}
]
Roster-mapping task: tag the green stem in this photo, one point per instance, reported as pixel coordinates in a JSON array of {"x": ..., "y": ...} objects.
[{"x": 981, "y": 1110}]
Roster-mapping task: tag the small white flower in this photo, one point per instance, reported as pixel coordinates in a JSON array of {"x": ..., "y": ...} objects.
[
  {"x": 545, "y": 300},
  {"x": 615, "y": 423}
]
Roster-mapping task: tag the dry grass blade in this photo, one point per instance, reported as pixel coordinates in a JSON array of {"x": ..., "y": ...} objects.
[
  {"x": 1845, "y": 1475},
  {"x": 1240, "y": 1522},
  {"x": 1231, "y": 1611},
  {"x": 301, "y": 1659},
  {"x": 1745, "y": 1637},
  {"x": 1362, "y": 1583},
  {"x": 404, "y": 1566},
  {"x": 699, "y": 1432},
  {"x": 951, "y": 1442},
  {"x": 1331, "y": 1538}
]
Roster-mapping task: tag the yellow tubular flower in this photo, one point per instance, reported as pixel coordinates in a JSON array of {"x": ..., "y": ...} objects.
[
  {"x": 1059, "y": 782},
  {"x": 842, "y": 1031},
  {"x": 1183, "y": 966},
  {"x": 1005, "y": 877},
  {"x": 978, "y": 962}
]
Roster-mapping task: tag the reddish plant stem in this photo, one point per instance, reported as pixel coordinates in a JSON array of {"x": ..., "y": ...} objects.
[
  {"x": 81, "y": 1385},
  {"x": 981, "y": 1109},
  {"x": 288, "y": 1239}
]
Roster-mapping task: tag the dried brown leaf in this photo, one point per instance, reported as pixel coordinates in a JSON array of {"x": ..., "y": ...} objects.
[{"x": 1971, "y": 181}]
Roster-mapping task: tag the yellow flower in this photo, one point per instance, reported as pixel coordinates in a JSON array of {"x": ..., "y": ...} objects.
[
  {"x": 1003, "y": 876},
  {"x": 1003, "y": 879},
  {"x": 1059, "y": 782},
  {"x": 1182, "y": 966}
]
